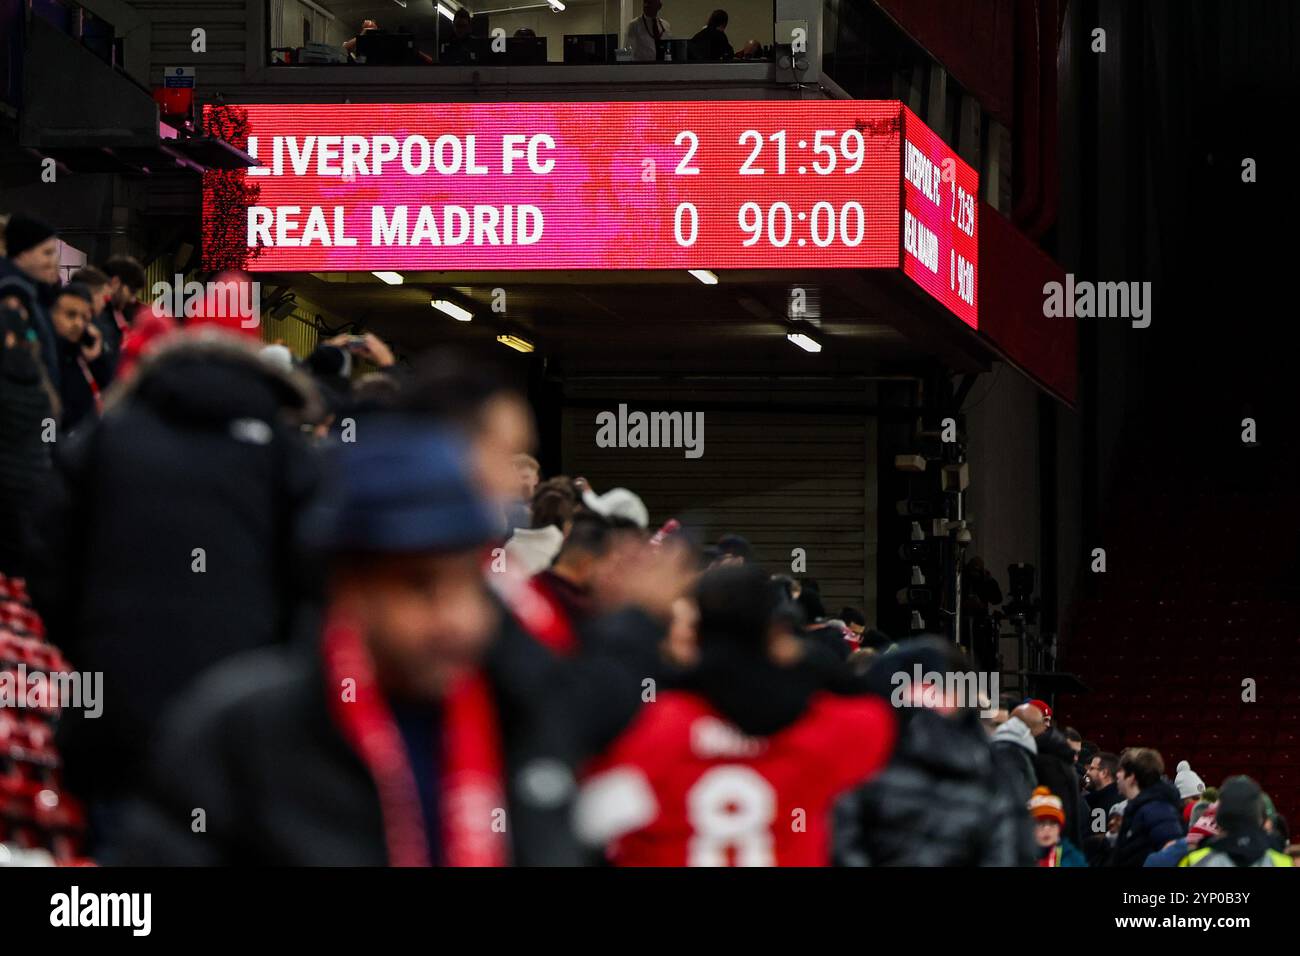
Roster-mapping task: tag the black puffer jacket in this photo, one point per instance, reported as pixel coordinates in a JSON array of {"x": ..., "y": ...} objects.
[
  {"x": 1151, "y": 819},
  {"x": 939, "y": 802},
  {"x": 194, "y": 455},
  {"x": 1054, "y": 767},
  {"x": 26, "y": 404}
]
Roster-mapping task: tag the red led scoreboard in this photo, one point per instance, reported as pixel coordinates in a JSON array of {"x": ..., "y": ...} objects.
[{"x": 664, "y": 185}]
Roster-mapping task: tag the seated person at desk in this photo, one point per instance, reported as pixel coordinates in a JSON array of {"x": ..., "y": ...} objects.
[
  {"x": 711, "y": 43},
  {"x": 370, "y": 26},
  {"x": 367, "y": 26},
  {"x": 645, "y": 32},
  {"x": 457, "y": 49}
]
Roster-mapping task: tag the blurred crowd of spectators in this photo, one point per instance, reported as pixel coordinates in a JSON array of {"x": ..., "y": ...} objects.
[{"x": 339, "y": 609}]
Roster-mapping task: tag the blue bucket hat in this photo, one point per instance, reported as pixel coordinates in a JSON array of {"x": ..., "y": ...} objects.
[{"x": 401, "y": 486}]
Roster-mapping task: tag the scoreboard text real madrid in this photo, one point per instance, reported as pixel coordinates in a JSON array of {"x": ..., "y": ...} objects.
[{"x": 683, "y": 185}]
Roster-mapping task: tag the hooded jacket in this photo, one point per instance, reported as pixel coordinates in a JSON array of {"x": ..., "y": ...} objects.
[
  {"x": 531, "y": 550},
  {"x": 1250, "y": 847},
  {"x": 1014, "y": 749},
  {"x": 1151, "y": 819},
  {"x": 174, "y": 539},
  {"x": 40, "y": 297}
]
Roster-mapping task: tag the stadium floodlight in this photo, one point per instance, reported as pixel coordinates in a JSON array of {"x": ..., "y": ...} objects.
[
  {"x": 805, "y": 342},
  {"x": 451, "y": 308},
  {"x": 515, "y": 342}
]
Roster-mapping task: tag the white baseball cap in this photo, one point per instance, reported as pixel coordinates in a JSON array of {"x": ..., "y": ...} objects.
[{"x": 618, "y": 503}]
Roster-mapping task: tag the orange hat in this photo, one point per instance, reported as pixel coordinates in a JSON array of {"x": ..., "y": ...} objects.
[{"x": 1045, "y": 805}]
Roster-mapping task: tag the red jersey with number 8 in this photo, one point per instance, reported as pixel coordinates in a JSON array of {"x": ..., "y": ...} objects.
[{"x": 685, "y": 787}]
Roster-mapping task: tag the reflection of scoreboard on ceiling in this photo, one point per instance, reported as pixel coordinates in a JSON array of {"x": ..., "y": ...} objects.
[{"x": 694, "y": 185}]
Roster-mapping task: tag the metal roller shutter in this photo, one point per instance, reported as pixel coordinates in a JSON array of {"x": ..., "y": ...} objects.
[{"x": 783, "y": 479}]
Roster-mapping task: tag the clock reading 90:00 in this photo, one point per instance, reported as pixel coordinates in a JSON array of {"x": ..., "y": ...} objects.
[
  {"x": 849, "y": 221},
  {"x": 829, "y": 152},
  {"x": 781, "y": 224}
]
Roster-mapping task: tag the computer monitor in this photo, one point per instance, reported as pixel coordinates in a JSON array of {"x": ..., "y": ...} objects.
[
  {"x": 378, "y": 48},
  {"x": 526, "y": 51},
  {"x": 677, "y": 48},
  {"x": 590, "y": 47},
  {"x": 472, "y": 51},
  {"x": 519, "y": 51}
]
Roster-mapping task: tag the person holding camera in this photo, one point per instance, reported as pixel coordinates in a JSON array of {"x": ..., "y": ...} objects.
[
  {"x": 84, "y": 368},
  {"x": 980, "y": 597}
]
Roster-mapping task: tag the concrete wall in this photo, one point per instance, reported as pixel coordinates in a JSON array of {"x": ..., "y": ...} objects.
[
  {"x": 1003, "y": 451},
  {"x": 1072, "y": 551},
  {"x": 286, "y": 24}
]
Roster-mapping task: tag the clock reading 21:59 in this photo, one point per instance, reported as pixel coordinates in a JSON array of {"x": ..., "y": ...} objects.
[{"x": 826, "y": 152}]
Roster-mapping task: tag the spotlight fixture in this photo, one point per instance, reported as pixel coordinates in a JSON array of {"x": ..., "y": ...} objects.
[
  {"x": 452, "y": 309},
  {"x": 392, "y": 278},
  {"x": 805, "y": 342},
  {"x": 515, "y": 342},
  {"x": 283, "y": 305},
  {"x": 704, "y": 275}
]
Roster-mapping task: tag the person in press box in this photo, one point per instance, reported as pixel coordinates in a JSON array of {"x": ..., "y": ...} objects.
[
  {"x": 645, "y": 32},
  {"x": 711, "y": 43}
]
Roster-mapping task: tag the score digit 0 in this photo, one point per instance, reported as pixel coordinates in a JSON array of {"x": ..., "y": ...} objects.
[{"x": 694, "y": 217}]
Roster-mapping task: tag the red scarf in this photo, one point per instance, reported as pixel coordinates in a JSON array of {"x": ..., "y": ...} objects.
[
  {"x": 90, "y": 381},
  {"x": 472, "y": 782},
  {"x": 538, "y": 611}
]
